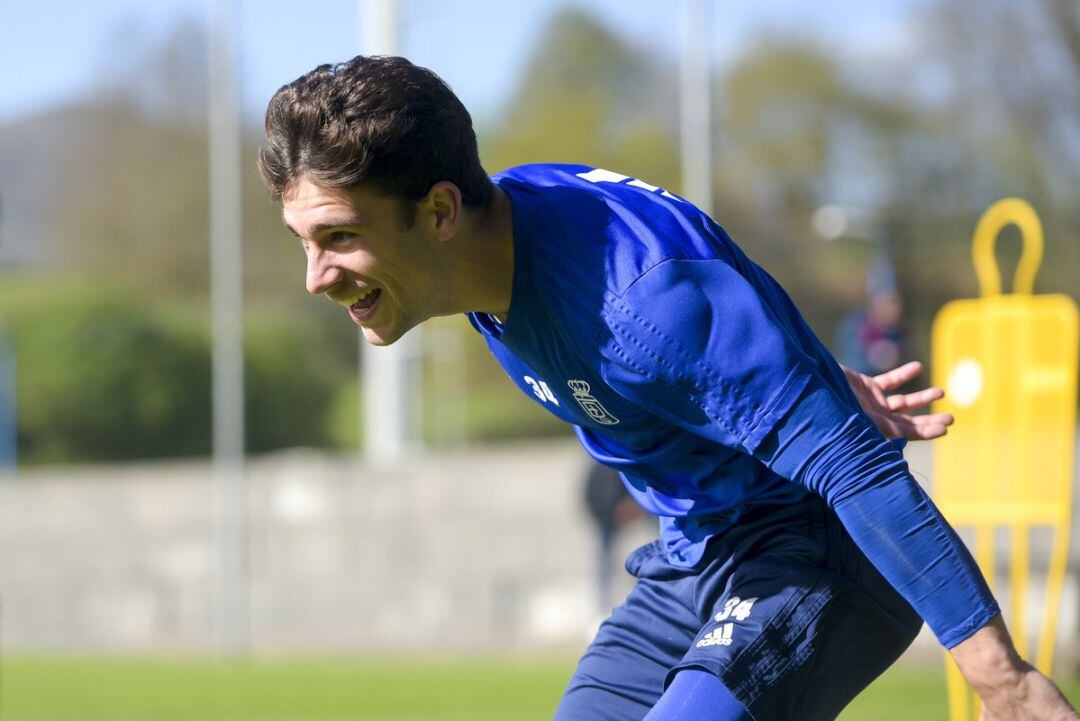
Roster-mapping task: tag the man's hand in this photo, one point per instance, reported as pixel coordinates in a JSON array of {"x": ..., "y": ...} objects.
[
  {"x": 1010, "y": 688},
  {"x": 892, "y": 414}
]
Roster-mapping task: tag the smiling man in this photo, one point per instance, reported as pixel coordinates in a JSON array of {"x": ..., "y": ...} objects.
[{"x": 797, "y": 556}]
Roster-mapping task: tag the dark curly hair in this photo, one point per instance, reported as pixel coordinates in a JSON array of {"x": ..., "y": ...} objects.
[{"x": 379, "y": 121}]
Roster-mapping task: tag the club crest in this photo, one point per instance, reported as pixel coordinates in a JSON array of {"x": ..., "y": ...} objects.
[{"x": 589, "y": 403}]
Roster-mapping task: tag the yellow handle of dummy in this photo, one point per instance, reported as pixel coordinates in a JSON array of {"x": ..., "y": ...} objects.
[{"x": 1010, "y": 211}]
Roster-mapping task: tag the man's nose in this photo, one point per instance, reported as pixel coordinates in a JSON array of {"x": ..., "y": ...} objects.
[{"x": 322, "y": 273}]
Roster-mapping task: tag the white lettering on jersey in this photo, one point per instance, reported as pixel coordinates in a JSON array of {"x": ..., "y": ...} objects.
[
  {"x": 540, "y": 390},
  {"x": 589, "y": 404},
  {"x": 599, "y": 175}
]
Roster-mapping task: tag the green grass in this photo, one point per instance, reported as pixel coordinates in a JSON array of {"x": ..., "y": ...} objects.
[
  {"x": 35, "y": 689},
  {"x": 55, "y": 689}
]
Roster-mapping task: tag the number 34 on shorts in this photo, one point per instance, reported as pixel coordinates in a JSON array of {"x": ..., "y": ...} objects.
[{"x": 735, "y": 609}]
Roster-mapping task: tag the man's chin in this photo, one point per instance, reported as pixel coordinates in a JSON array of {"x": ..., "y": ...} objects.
[
  {"x": 380, "y": 336},
  {"x": 387, "y": 329}
]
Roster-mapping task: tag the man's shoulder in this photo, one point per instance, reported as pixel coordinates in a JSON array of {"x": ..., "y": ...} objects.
[
  {"x": 570, "y": 184},
  {"x": 542, "y": 174},
  {"x": 613, "y": 226}
]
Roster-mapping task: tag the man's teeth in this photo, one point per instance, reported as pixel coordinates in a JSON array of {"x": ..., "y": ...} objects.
[{"x": 347, "y": 302}]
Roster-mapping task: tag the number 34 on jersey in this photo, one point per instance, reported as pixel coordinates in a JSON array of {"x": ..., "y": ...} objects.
[{"x": 582, "y": 394}]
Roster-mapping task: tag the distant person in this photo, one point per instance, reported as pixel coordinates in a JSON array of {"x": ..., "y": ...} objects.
[
  {"x": 797, "y": 555},
  {"x": 611, "y": 509},
  {"x": 871, "y": 338}
]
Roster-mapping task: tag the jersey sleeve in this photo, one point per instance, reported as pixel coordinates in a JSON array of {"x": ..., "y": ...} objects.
[{"x": 697, "y": 344}]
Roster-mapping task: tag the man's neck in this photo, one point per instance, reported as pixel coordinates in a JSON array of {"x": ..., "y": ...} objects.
[{"x": 483, "y": 264}]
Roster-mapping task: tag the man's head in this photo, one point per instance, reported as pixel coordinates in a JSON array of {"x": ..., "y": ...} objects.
[
  {"x": 380, "y": 122},
  {"x": 373, "y": 161}
]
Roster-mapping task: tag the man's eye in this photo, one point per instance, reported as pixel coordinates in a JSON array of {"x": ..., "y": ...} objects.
[{"x": 340, "y": 236}]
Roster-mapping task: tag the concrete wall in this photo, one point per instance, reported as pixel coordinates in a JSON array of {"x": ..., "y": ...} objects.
[
  {"x": 486, "y": 549},
  {"x": 482, "y": 550}
]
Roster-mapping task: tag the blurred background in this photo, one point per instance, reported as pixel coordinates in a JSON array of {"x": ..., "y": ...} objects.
[{"x": 853, "y": 147}]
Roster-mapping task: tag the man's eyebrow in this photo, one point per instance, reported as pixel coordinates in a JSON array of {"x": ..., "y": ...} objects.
[{"x": 352, "y": 220}]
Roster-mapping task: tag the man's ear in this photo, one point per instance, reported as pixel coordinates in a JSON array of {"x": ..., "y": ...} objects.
[{"x": 444, "y": 204}]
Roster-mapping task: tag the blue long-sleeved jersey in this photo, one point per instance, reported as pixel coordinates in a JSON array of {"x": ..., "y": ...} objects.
[{"x": 685, "y": 366}]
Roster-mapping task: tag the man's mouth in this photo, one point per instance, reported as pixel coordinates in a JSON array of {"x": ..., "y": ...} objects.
[{"x": 362, "y": 305}]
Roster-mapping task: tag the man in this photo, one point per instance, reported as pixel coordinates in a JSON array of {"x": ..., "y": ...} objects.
[
  {"x": 611, "y": 509},
  {"x": 797, "y": 555}
]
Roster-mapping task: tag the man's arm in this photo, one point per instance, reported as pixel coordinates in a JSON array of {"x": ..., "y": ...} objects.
[
  {"x": 724, "y": 367},
  {"x": 903, "y": 534},
  {"x": 1010, "y": 688}
]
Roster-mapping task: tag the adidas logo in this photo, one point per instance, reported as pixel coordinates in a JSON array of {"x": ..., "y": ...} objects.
[{"x": 720, "y": 636}]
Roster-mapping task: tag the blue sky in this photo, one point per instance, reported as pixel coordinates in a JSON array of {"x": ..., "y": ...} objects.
[{"x": 50, "y": 50}]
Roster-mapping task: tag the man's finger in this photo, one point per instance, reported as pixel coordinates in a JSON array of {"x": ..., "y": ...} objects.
[
  {"x": 944, "y": 419},
  {"x": 929, "y": 432},
  {"x": 928, "y": 427},
  {"x": 929, "y": 419},
  {"x": 914, "y": 428},
  {"x": 898, "y": 376},
  {"x": 918, "y": 399}
]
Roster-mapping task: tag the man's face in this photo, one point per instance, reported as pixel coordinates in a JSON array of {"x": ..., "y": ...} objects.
[{"x": 361, "y": 255}]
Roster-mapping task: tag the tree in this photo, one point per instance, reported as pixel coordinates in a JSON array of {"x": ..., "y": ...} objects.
[{"x": 587, "y": 96}]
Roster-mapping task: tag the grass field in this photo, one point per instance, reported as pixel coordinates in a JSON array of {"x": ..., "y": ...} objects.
[{"x": 48, "y": 689}]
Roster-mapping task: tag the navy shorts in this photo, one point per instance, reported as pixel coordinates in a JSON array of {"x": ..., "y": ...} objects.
[{"x": 784, "y": 608}]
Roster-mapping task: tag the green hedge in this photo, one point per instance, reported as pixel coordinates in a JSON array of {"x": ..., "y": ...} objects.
[
  {"x": 103, "y": 380},
  {"x": 106, "y": 375},
  {"x": 290, "y": 387}
]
